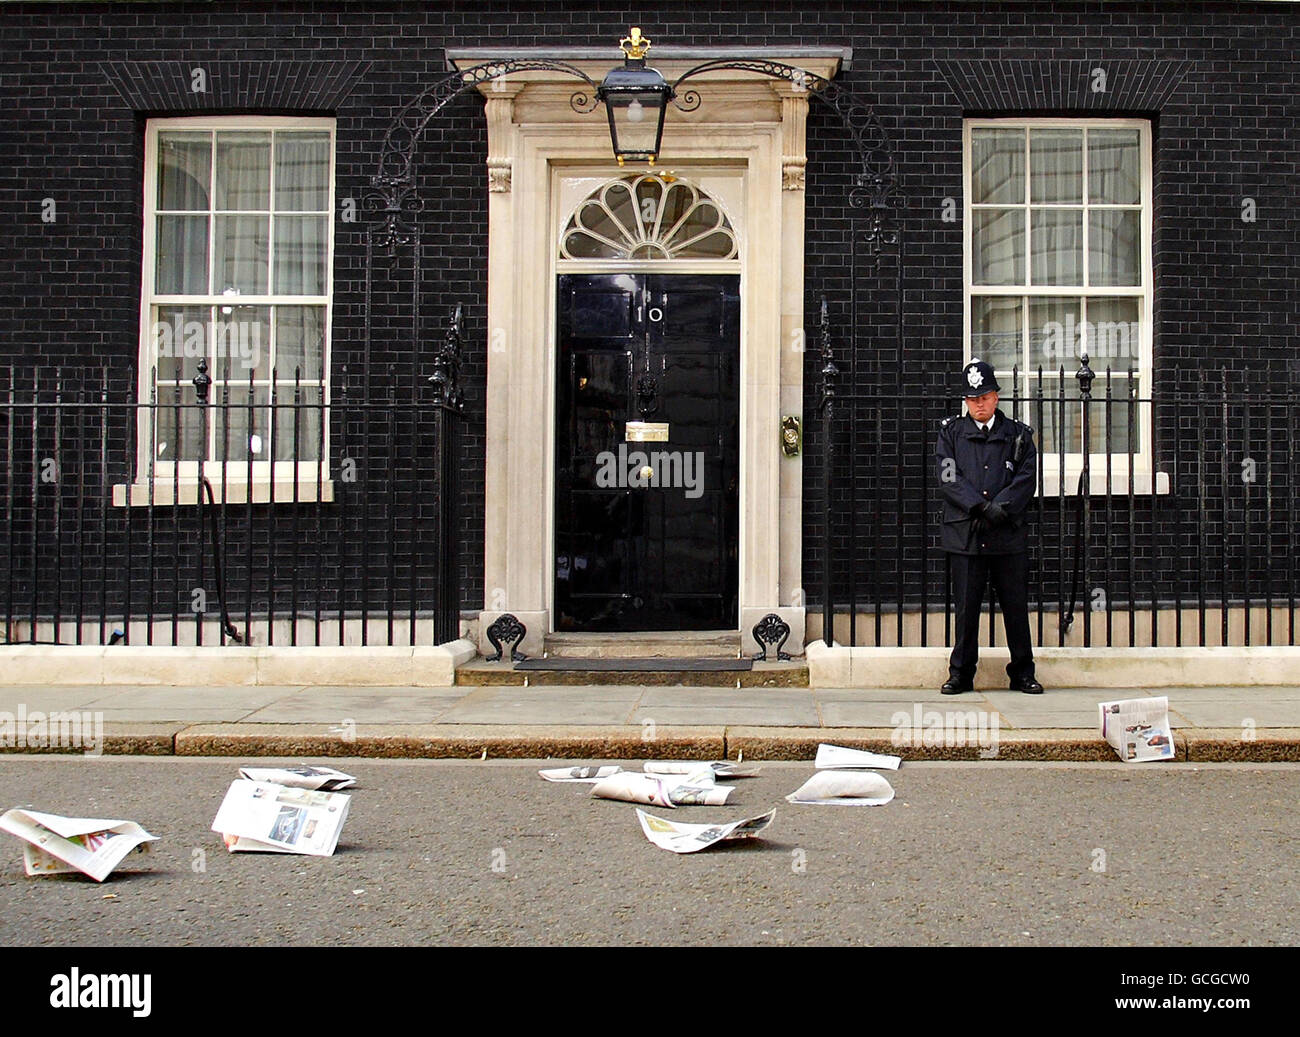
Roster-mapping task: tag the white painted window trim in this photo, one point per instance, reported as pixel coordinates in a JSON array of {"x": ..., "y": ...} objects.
[
  {"x": 271, "y": 480},
  {"x": 1145, "y": 481}
]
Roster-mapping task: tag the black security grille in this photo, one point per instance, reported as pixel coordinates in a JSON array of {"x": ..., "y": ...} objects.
[{"x": 357, "y": 549}]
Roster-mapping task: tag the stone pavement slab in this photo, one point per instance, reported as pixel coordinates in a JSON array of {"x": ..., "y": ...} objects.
[
  {"x": 46, "y": 697},
  {"x": 790, "y": 707},
  {"x": 545, "y": 704},
  {"x": 359, "y": 705},
  {"x": 887, "y": 694},
  {"x": 1233, "y": 714},
  {"x": 882, "y": 714}
]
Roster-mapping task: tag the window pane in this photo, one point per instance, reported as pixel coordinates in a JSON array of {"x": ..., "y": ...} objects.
[
  {"x": 241, "y": 343},
  {"x": 184, "y": 167},
  {"x": 241, "y": 429},
  {"x": 1114, "y": 333},
  {"x": 998, "y": 246},
  {"x": 1121, "y": 412},
  {"x": 618, "y": 198},
  {"x": 997, "y": 166},
  {"x": 1113, "y": 167},
  {"x": 243, "y": 170},
  {"x": 996, "y": 332},
  {"x": 1061, "y": 426},
  {"x": 299, "y": 341},
  {"x": 580, "y": 245},
  {"x": 300, "y": 244},
  {"x": 241, "y": 247},
  {"x": 1056, "y": 165},
  {"x": 177, "y": 408},
  {"x": 1114, "y": 246},
  {"x": 677, "y": 199},
  {"x": 180, "y": 337},
  {"x": 1054, "y": 330},
  {"x": 302, "y": 166},
  {"x": 597, "y": 219},
  {"x": 181, "y": 260},
  {"x": 1056, "y": 244},
  {"x": 720, "y": 245},
  {"x": 306, "y": 412}
]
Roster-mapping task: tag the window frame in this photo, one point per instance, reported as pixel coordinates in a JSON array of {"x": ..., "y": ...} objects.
[
  {"x": 1101, "y": 464},
  {"x": 230, "y": 479}
]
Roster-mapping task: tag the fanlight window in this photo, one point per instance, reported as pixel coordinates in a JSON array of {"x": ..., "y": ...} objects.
[{"x": 648, "y": 217}]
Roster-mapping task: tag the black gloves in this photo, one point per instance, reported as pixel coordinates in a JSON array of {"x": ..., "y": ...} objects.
[
  {"x": 989, "y": 515},
  {"x": 996, "y": 514}
]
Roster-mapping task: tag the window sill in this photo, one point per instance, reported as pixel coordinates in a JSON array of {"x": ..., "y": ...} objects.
[
  {"x": 1097, "y": 484},
  {"x": 166, "y": 494}
]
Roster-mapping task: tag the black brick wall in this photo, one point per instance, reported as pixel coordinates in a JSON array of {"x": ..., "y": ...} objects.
[{"x": 1219, "y": 82}]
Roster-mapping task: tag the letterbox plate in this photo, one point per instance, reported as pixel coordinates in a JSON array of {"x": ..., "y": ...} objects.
[{"x": 646, "y": 432}]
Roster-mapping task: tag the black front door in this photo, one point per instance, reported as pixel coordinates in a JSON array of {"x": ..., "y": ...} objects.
[{"x": 646, "y": 516}]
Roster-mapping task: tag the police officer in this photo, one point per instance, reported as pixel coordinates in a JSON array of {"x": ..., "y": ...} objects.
[{"x": 987, "y": 468}]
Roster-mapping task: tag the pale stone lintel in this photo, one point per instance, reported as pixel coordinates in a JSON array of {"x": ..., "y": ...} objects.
[{"x": 1101, "y": 668}]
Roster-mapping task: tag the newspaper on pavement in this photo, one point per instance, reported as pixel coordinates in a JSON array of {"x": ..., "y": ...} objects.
[
  {"x": 844, "y": 789},
  {"x": 91, "y": 845},
  {"x": 836, "y": 757},
  {"x": 720, "y": 768},
  {"x": 260, "y": 815},
  {"x": 318, "y": 779},
  {"x": 664, "y": 790},
  {"x": 582, "y": 774},
  {"x": 683, "y": 838},
  {"x": 1138, "y": 729}
]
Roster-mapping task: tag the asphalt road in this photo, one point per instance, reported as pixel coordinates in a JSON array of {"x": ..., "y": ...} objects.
[{"x": 984, "y": 853}]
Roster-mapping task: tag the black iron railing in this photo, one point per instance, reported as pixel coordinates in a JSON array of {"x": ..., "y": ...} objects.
[
  {"x": 1177, "y": 527},
  {"x": 313, "y": 518}
]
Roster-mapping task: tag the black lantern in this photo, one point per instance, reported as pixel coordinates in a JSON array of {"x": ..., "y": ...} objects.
[{"x": 636, "y": 99}]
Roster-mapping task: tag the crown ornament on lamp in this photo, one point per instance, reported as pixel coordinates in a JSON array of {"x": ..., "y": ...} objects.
[{"x": 636, "y": 100}]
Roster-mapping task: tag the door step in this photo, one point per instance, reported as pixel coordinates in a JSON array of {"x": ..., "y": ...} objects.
[
  {"x": 703, "y": 672},
  {"x": 652, "y": 644},
  {"x": 635, "y": 665}
]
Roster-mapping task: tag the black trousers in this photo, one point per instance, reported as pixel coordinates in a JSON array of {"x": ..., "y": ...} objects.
[{"x": 971, "y": 575}]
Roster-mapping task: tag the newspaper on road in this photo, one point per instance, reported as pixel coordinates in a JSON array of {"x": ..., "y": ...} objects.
[
  {"x": 682, "y": 838},
  {"x": 581, "y": 774},
  {"x": 844, "y": 789},
  {"x": 260, "y": 815},
  {"x": 318, "y": 779},
  {"x": 838, "y": 757},
  {"x": 1138, "y": 729},
  {"x": 91, "y": 845},
  {"x": 720, "y": 768},
  {"x": 664, "y": 790}
]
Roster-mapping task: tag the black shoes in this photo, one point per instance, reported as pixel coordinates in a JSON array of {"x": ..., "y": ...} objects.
[
  {"x": 1028, "y": 685},
  {"x": 955, "y": 686}
]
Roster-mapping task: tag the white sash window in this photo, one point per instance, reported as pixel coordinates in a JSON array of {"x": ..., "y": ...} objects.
[
  {"x": 1058, "y": 263},
  {"x": 237, "y": 268}
]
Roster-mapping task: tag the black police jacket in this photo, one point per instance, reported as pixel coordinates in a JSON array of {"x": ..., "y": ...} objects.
[{"x": 974, "y": 466}]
